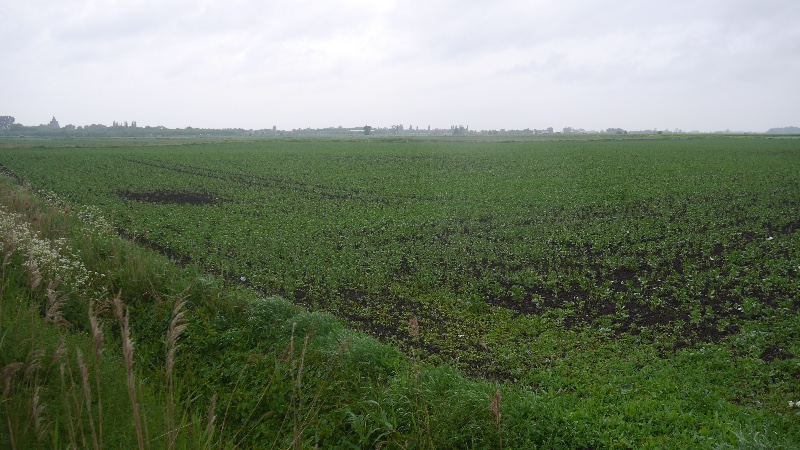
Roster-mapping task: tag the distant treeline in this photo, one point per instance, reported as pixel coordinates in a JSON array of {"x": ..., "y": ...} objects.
[
  {"x": 8, "y": 126},
  {"x": 784, "y": 130}
]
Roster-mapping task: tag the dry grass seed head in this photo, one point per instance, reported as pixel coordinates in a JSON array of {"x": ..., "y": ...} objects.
[
  {"x": 495, "y": 406},
  {"x": 33, "y": 272},
  {"x": 118, "y": 308},
  {"x": 37, "y": 417},
  {"x": 52, "y": 313},
  {"x": 127, "y": 342},
  {"x": 413, "y": 326},
  {"x": 87, "y": 395},
  {"x": 8, "y": 372},
  {"x": 97, "y": 331},
  {"x": 127, "y": 353},
  {"x": 176, "y": 327},
  {"x": 212, "y": 416},
  {"x": 33, "y": 362},
  {"x": 83, "y": 369},
  {"x": 60, "y": 352}
]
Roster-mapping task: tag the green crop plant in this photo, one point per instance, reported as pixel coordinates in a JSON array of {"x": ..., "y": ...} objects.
[{"x": 618, "y": 282}]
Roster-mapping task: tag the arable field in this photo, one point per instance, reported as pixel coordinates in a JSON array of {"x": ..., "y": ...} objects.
[{"x": 653, "y": 284}]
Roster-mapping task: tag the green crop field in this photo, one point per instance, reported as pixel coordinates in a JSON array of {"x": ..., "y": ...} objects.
[{"x": 624, "y": 273}]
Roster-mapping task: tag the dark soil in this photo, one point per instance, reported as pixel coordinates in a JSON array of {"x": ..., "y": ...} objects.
[
  {"x": 17, "y": 178},
  {"x": 171, "y": 197}
]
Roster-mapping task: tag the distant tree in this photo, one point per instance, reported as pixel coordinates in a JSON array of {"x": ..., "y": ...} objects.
[
  {"x": 782, "y": 130},
  {"x": 6, "y": 122}
]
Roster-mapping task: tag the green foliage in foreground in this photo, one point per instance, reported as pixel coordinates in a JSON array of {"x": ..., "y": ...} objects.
[{"x": 580, "y": 388}]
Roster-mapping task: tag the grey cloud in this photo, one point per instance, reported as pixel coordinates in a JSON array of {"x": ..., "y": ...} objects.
[{"x": 414, "y": 56}]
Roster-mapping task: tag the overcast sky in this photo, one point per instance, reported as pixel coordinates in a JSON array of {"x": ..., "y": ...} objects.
[{"x": 687, "y": 64}]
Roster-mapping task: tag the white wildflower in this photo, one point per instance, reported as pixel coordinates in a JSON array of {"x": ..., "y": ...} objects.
[
  {"x": 52, "y": 258},
  {"x": 94, "y": 218}
]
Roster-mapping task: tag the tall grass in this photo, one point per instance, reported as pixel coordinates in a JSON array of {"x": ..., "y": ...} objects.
[{"x": 64, "y": 402}]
